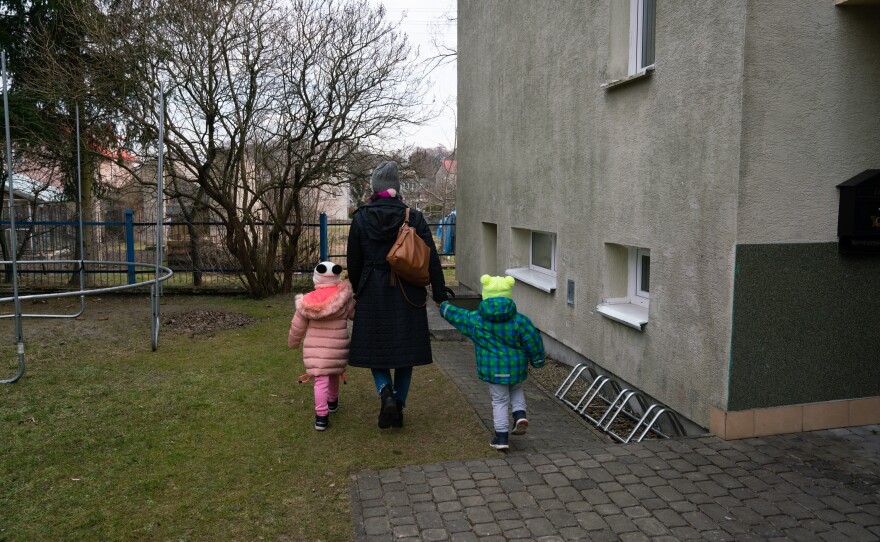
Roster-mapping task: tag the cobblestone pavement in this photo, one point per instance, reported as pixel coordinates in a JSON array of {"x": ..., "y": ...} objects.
[
  {"x": 562, "y": 481},
  {"x": 551, "y": 426}
]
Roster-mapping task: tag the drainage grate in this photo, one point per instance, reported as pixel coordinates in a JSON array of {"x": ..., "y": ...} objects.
[{"x": 623, "y": 414}]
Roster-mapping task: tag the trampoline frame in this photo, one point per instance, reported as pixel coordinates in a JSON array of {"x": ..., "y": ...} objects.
[{"x": 161, "y": 273}]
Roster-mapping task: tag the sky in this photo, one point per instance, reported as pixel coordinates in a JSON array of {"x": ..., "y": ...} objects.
[{"x": 421, "y": 20}]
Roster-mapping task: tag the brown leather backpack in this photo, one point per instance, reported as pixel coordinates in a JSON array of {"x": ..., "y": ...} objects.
[{"x": 409, "y": 256}]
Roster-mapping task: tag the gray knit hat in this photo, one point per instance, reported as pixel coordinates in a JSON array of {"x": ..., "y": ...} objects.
[{"x": 385, "y": 176}]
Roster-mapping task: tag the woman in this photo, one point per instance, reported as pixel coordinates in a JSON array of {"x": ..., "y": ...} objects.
[{"x": 390, "y": 328}]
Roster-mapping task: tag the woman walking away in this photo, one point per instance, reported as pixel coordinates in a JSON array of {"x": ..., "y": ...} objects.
[{"x": 390, "y": 333}]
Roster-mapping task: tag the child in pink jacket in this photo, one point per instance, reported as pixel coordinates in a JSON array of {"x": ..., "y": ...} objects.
[{"x": 321, "y": 318}]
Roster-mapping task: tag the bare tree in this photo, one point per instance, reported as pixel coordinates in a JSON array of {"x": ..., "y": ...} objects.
[{"x": 266, "y": 102}]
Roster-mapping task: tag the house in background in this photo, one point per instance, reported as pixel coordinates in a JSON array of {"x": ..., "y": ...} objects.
[
  {"x": 446, "y": 173},
  {"x": 662, "y": 179},
  {"x": 33, "y": 199}
]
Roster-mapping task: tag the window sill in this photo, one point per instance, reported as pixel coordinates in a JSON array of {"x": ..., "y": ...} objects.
[
  {"x": 540, "y": 281},
  {"x": 643, "y": 73},
  {"x": 634, "y": 316}
]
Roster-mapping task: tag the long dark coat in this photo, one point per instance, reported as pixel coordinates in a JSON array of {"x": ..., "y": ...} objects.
[{"x": 388, "y": 332}]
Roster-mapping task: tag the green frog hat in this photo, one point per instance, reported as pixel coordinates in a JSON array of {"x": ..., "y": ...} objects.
[{"x": 497, "y": 286}]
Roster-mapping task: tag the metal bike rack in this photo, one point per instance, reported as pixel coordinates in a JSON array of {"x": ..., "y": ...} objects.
[
  {"x": 626, "y": 403},
  {"x": 161, "y": 273}
]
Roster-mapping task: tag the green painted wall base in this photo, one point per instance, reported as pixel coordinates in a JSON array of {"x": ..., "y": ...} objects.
[{"x": 806, "y": 326}]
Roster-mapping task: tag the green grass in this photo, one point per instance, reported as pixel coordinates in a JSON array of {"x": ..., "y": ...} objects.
[{"x": 208, "y": 438}]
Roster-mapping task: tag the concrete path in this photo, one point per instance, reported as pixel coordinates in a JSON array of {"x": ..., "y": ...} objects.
[{"x": 564, "y": 481}]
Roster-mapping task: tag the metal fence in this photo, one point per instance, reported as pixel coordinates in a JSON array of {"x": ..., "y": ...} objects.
[{"x": 206, "y": 264}]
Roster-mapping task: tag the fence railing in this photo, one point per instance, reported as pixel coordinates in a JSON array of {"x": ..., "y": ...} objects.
[{"x": 195, "y": 251}]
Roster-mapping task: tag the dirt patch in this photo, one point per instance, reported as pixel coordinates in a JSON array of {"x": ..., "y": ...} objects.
[
  {"x": 551, "y": 375},
  {"x": 206, "y": 322}
]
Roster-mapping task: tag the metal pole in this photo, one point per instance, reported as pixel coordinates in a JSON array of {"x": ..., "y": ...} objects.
[
  {"x": 160, "y": 219},
  {"x": 82, "y": 232},
  {"x": 129, "y": 243},
  {"x": 19, "y": 336},
  {"x": 324, "y": 247}
]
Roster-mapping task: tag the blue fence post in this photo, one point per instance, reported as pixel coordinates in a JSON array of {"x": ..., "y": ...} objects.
[
  {"x": 324, "y": 249},
  {"x": 129, "y": 243}
]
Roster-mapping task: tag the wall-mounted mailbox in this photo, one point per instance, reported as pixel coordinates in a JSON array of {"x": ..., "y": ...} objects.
[{"x": 858, "y": 221}]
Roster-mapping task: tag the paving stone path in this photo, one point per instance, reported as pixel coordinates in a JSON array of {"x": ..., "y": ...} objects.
[{"x": 564, "y": 481}]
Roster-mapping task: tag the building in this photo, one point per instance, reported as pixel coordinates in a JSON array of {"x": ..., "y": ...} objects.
[{"x": 661, "y": 177}]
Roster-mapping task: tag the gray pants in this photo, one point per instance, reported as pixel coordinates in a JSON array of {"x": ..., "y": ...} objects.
[{"x": 504, "y": 396}]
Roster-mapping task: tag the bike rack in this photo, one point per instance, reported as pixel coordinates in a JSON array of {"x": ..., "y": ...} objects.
[{"x": 626, "y": 403}]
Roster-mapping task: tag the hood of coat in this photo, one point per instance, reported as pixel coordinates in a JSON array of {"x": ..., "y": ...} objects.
[
  {"x": 324, "y": 302},
  {"x": 497, "y": 309},
  {"x": 383, "y": 218}
]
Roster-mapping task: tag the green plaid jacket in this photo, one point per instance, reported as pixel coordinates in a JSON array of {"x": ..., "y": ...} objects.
[{"x": 506, "y": 342}]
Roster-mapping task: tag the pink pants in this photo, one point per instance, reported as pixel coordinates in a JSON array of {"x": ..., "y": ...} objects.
[{"x": 326, "y": 389}]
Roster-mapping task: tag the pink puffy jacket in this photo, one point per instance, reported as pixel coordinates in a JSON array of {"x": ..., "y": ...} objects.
[{"x": 321, "y": 317}]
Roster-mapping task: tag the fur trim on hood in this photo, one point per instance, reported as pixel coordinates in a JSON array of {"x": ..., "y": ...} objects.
[{"x": 324, "y": 302}]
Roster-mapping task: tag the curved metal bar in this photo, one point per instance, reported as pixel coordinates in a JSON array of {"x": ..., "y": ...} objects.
[
  {"x": 611, "y": 406},
  {"x": 570, "y": 384},
  {"x": 623, "y": 401},
  {"x": 579, "y": 368},
  {"x": 640, "y": 422},
  {"x": 596, "y": 382},
  {"x": 168, "y": 273},
  {"x": 650, "y": 425},
  {"x": 583, "y": 410},
  {"x": 592, "y": 398},
  {"x": 82, "y": 303}
]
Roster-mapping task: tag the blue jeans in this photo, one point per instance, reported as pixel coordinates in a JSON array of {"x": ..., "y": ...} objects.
[{"x": 399, "y": 383}]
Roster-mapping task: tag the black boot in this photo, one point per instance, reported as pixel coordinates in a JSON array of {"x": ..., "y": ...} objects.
[
  {"x": 520, "y": 423},
  {"x": 387, "y": 408},
  {"x": 397, "y": 420},
  {"x": 499, "y": 441},
  {"x": 321, "y": 422}
]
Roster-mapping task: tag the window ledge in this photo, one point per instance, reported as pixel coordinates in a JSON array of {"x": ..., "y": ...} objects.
[
  {"x": 641, "y": 74},
  {"x": 540, "y": 281},
  {"x": 634, "y": 316}
]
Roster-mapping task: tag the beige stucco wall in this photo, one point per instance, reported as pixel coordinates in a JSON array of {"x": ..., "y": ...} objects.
[
  {"x": 810, "y": 115},
  {"x": 654, "y": 163}
]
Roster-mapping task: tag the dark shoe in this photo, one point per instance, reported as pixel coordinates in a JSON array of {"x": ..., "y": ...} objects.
[
  {"x": 333, "y": 406},
  {"x": 520, "y": 423},
  {"x": 388, "y": 408},
  {"x": 397, "y": 420},
  {"x": 322, "y": 422},
  {"x": 499, "y": 441}
]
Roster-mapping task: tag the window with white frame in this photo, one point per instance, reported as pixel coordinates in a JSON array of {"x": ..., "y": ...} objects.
[
  {"x": 642, "y": 16},
  {"x": 632, "y": 26},
  {"x": 628, "y": 285},
  {"x": 533, "y": 258},
  {"x": 640, "y": 276},
  {"x": 543, "y": 253}
]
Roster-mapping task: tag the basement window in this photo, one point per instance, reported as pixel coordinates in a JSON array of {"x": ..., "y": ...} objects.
[
  {"x": 628, "y": 275},
  {"x": 540, "y": 249}
]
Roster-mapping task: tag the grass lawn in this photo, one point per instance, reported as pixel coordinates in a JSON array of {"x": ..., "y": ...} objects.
[{"x": 208, "y": 438}]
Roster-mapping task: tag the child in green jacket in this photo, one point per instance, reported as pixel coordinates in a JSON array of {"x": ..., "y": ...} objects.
[{"x": 506, "y": 343}]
